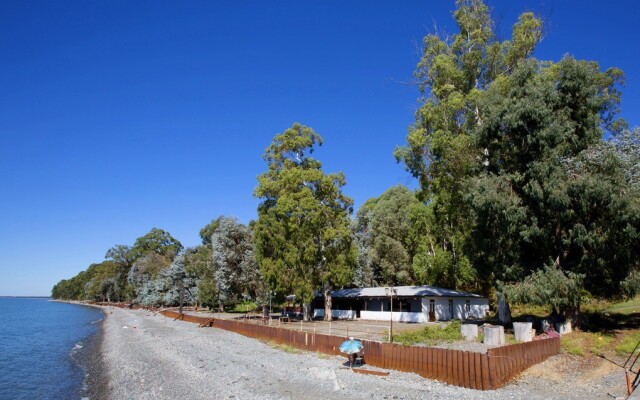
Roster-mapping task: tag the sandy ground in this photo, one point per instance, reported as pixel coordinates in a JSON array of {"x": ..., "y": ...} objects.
[{"x": 148, "y": 356}]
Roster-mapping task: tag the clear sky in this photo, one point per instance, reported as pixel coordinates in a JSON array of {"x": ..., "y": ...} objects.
[{"x": 120, "y": 116}]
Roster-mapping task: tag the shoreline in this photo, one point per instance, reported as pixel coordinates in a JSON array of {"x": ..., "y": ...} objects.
[
  {"x": 90, "y": 359},
  {"x": 140, "y": 354}
]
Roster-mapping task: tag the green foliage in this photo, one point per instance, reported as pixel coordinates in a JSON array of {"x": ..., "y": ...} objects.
[
  {"x": 511, "y": 161},
  {"x": 430, "y": 335},
  {"x": 302, "y": 234},
  {"x": 548, "y": 287},
  {"x": 156, "y": 241},
  {"x": 388, "y": 238},
  {"x": 234, "y": 268},
  {"x": 207, "y": 231}
]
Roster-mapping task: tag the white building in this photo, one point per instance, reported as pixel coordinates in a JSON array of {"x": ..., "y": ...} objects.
[{"x": 410, "y": 304}]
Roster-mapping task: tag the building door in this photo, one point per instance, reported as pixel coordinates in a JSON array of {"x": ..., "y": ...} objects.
[
  {"x": 432, "y": 310},
  {"x": 450, "y": 309}
]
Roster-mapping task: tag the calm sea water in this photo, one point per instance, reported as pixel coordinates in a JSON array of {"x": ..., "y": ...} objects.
[{"x": 40, "y": 342}]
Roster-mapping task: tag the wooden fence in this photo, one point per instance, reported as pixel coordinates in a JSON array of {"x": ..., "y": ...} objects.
[{"x": 482, "y": 371}]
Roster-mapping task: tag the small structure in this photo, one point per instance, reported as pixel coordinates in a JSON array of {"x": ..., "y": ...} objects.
[
  {"x": 469, "y": 332},
  {"x": 410, "y": 304},
  {"x": 493, "y": 335}
]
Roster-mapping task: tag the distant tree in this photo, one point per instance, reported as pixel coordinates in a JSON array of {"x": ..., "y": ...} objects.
[
  {"x": 235, "y": 271},
  {"x": 156, "y": 241},
  {"x": 123, "y": 257},
  {"x": 198, "y": 262},
  {"x": 383, "y": 228},
  {"x": 166, "y": 287},
  {"x": 302, "y": 236},
  {"x": 207, "y": 231}
]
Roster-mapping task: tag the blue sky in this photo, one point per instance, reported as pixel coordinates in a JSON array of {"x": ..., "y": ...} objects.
[{"x": 117, "y": 117}]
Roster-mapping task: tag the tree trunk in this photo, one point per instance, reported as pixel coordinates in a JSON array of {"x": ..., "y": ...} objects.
[
  {"x": 327, "y": 304},
  {"x": 306, "y": 311},
  {"x": 504, "y": 312}
]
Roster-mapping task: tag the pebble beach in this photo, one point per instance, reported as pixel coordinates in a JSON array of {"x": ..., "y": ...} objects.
[{"x": 148, "y": 356}]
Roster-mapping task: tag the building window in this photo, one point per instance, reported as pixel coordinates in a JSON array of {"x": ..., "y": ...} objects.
[
  {"x": 451, "y": 308},
  {"x": 467, "y": 305}
]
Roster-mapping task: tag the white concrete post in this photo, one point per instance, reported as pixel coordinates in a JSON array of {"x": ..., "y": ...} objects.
[{"x": 522, "y": 331}]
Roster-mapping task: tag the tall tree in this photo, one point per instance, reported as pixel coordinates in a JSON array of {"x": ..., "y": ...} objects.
[
  {"x": 302, "y": 236},
  {"x": 504, "y": 148},
  {"x": 235, "y": 271},
  {"x": 452, "y": 72}
]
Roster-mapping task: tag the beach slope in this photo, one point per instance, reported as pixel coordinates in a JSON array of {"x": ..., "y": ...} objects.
[{"x": 149, "y": 356}]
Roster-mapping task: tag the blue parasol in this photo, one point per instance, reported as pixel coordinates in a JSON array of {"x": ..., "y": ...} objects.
[{"x": 351, "y": 346}]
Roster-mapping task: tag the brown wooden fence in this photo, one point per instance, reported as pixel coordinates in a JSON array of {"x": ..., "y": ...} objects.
[{"x": 482, "y": 371}]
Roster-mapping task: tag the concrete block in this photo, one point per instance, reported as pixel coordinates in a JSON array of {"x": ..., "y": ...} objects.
[
  {"x": 493, "y": 335},
  {"x": 469, "y": 332},
  {"x": 522, "y": 331},
  {"x": 563, "y": 327}
]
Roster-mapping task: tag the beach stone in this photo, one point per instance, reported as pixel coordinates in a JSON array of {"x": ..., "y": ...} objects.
[
  {"x": 493, "y": 335},
  {"x": 522, "y": 331},
  {"x": 469, "y": 332}
]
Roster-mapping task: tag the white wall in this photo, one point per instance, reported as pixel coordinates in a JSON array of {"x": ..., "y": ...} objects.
[
  {"x": 338, "y": 314},
  {"x": 397, "y": 316}
]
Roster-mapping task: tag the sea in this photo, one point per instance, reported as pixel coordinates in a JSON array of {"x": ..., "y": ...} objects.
[{"x": 47, "y": 349}]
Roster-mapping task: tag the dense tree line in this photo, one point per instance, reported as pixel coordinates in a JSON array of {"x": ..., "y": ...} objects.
[
  {"x": 511, "y": 157},
  {"x": 528, "y": 180}
]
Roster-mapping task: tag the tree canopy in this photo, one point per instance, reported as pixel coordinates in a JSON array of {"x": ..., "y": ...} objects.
[
  {"x": 302, "y": 235},
  {"x": 510, "y": 156}
]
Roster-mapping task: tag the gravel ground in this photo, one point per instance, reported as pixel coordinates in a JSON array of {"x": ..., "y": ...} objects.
[{"x": 148, "y": 356}]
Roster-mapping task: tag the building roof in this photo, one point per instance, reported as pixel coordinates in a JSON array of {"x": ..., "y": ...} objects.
[{"x": 402, "y": 291}]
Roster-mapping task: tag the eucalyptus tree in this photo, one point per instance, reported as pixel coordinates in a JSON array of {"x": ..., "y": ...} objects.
[
  {"x": 440, "y": 150},
  {"x": 510, "y": 158},
  {"x": 151, "y": 253},
  {"x": 302, "y": 236},
  {"x": 234, "y": 267},
  {"x": 542, "y": 197},
  {"x": 169, "y": 286}
]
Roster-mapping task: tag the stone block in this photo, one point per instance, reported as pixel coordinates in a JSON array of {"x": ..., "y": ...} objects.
[
  {"x": 522, "y": 331},
  {"x": 469, "y": 332},
  {"x": 493, "y": 335}
]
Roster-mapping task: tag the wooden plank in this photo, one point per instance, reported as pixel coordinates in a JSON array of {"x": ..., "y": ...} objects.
[
  {"x": 427, "y": 362},
  {"x": 456, "y": 367},
  {"x": 369, "y": 372},
  {"x": 466, "y": 360},
  {"x": 492, "y": 368},
  {"x": 463, "y": 368},
  {"x": 476, "y": 376},
  {"x": 450, "y": 367}
]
